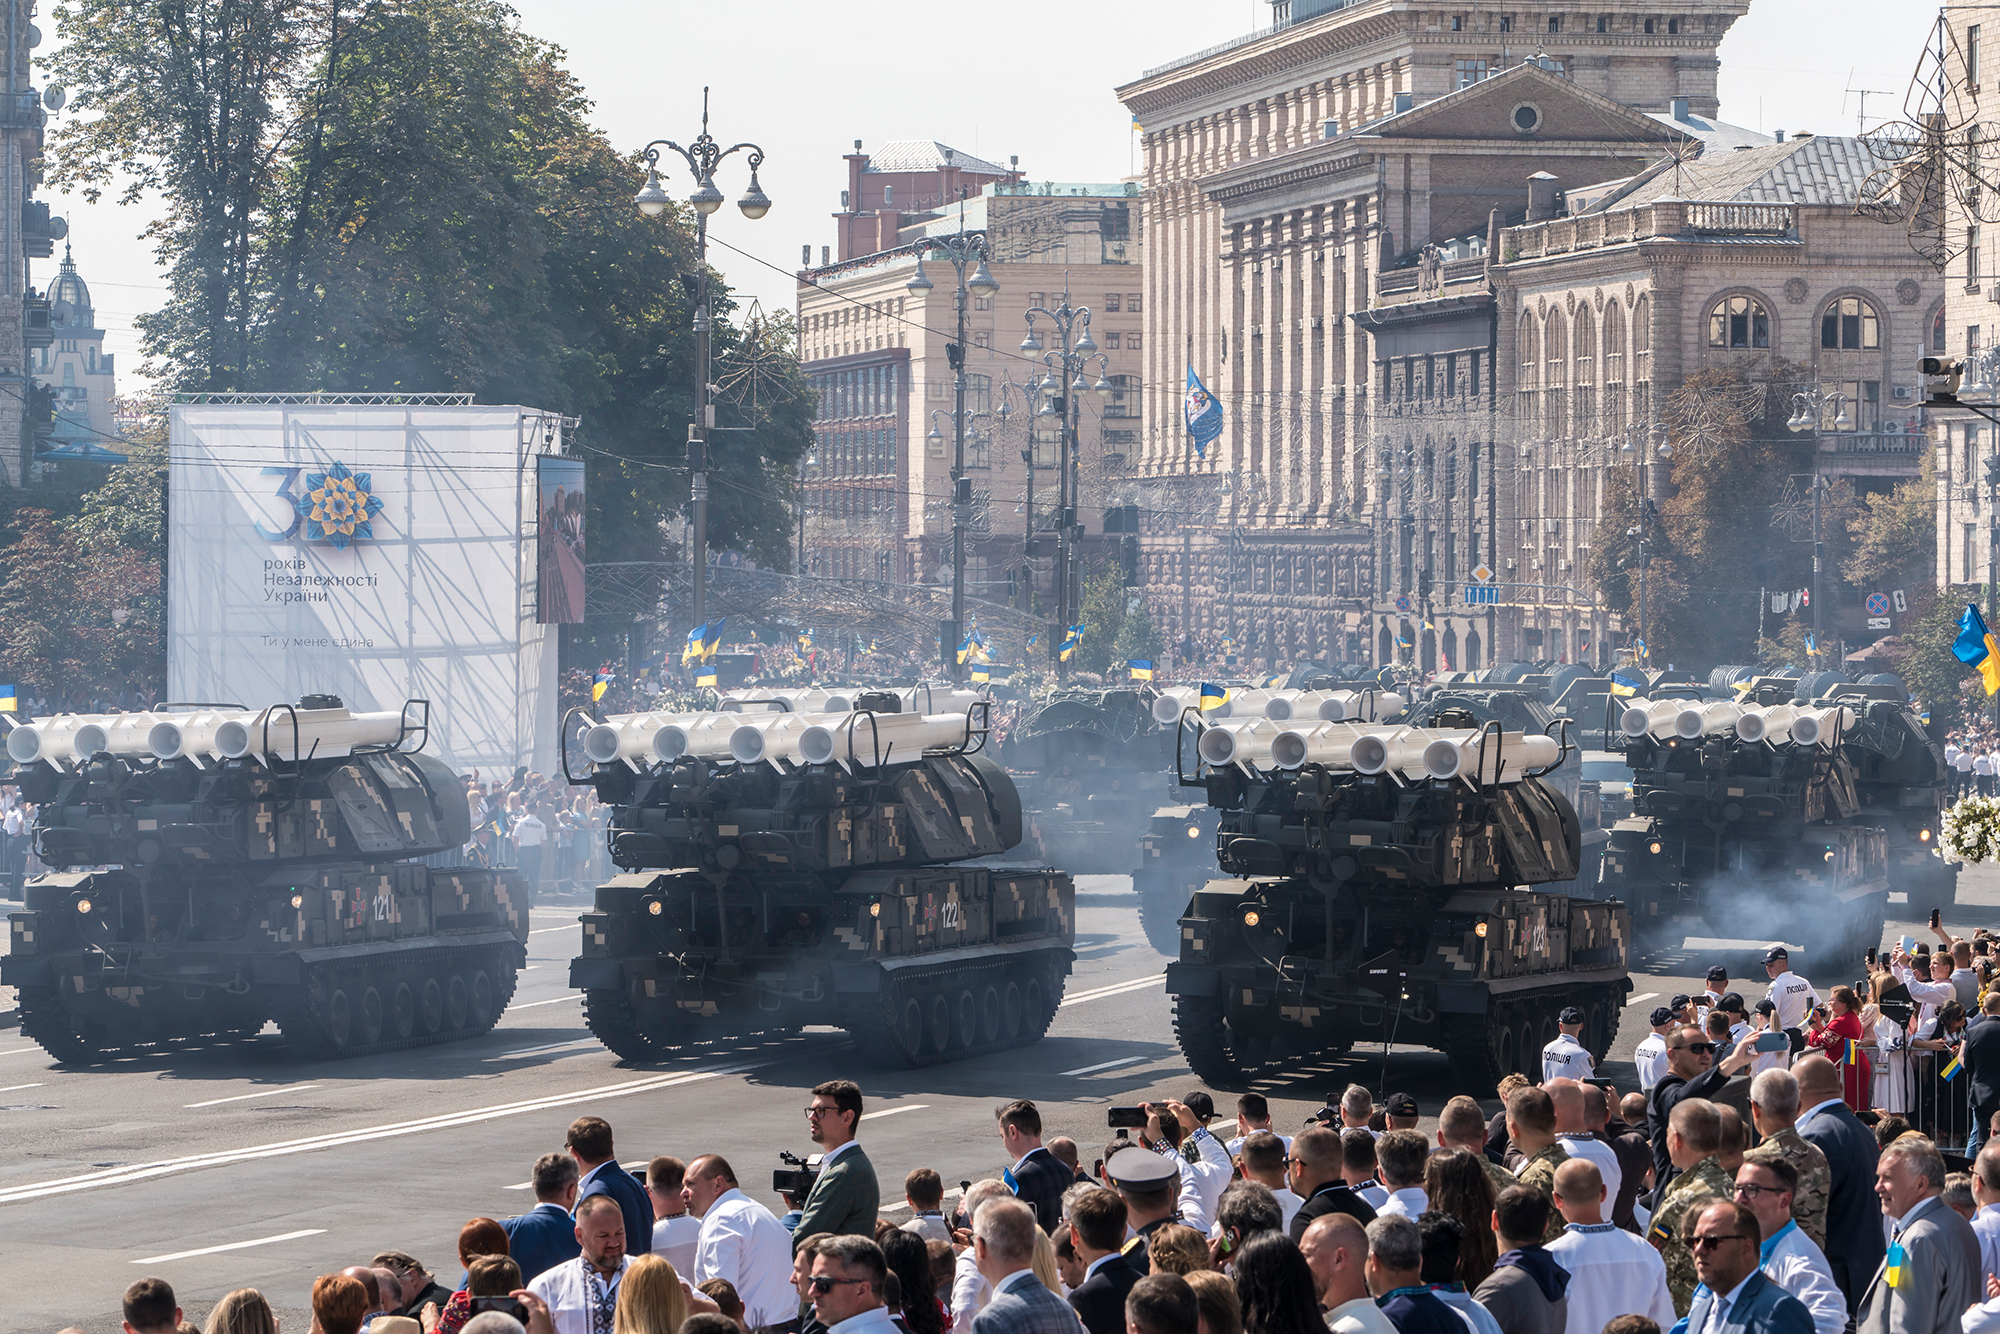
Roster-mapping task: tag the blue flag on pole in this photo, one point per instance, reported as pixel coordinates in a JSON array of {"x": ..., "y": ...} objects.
[{"x": 1204, "y": 414}]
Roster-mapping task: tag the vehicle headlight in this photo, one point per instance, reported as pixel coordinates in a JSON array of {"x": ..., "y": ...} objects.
[
  {"x": 1654, "y": 847},
  {"x": 1479, "y": 929},
  {"x": 1194, "y": 831},
  {"x": 1251, "y": 917},
  {"x": 655, "y": 907},
  {"x": 1923, "y": 836},
  {"x": 83, "y": 905}
]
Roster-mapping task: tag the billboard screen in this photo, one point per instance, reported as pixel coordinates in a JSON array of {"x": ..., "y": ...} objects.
[
  {"x": 374, "y": 552},
  {"x": 559, "y": 539}
]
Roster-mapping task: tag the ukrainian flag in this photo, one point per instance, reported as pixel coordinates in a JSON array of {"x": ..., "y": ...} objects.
[
  {"x": 1975, "y": 647},
  {"x": 1141, "y": 668},
  {"x": 1623, "y": 683},
  {"x": 1213, "y": 696},
  {"x": 707, "y": 677},
  {"x": 1639, "y": 647},
  {"x": 601, "y": 684},
  {"x": 1071, "y": 642},
  {"x": 1951, "y": 1070},
  {"x": 696, "y": 638},
  {"x": 1850, "y": 1052},
  {"x": 10, "y": 699},
  {"x": 1895, "y": 1266},
  {"x": 980, "y": 674},
  {"x": 1812, "y": 650},
  {"x": 806, "y": 641}
]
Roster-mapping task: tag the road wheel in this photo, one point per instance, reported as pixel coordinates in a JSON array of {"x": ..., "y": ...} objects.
[
  {"x": 456, "y": 1003},
  {"x": 1527, "y": 1050},
  {"x": 482, "y": 999},
  {"x": 1012, "y": 1008},
  {"x": 1202, "y": 1030},
  {"x": 965, "y": 1025},
  {"x": 371, "y": 1017},
  {"x": 1506, "y": 1049},
  {"x": 989, "y": 1014},
  {"x": 432, "y": 1013},
  {"x": 340, "y": 1018},
  {"x": 937, "y": 1034},
  {"x": 402, "y": 1012}
]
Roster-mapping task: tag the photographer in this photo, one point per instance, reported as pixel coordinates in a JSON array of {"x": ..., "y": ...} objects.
[
  {"x": 1204, "y": 1165},
  {"x": 846, "y": 1197}
]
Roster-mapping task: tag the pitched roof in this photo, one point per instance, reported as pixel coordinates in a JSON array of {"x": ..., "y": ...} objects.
[
  {"x": 1825, "y": 170},
  {"x": 928, "y": 155}
]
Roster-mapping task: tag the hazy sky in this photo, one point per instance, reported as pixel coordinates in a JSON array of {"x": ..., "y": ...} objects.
[{"x": 1038, "y": 84}]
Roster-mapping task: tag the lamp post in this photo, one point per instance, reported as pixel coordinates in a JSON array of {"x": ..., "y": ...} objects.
[
  {"x": 1031, "y": 400},
  {"x": 960, "y": 251},
  {"x": 1063, "y": 388},
  {"x": 702, "y": 156},
  {"x": 1808, "y": 411},
  {"x": 1642, "y": 457}
]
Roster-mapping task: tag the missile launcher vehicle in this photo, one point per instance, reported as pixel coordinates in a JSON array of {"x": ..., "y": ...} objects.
[
  {"x": 1092, "y": 767},
  {"x": 1376, "y": 893},
  {"x": 788, "y": 868},
  {"x": 215, "y": 868},
  {"x": 1748, "y": 820}
]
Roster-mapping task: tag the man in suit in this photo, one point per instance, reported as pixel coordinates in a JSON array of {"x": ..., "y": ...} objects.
[
  {"x": 545, "y": 1236},
  {"x": 1854, "y": 1243},
  {"x": 846, "y": 1197},
  {"x": 1932, "y": 1271},
  {"x": 1725, "y": 1241},
  {"x": 1003, "y": 1242},
  {"x": 600, "y": 1173},
  {"x": 1036, "y": 1176},
  {"x": 1981, "y": 1055},
  {"x": 1316, "y": 1161},
  {"x": 848, "y": 1274},
  {"x": 1097, "y": 1231}
]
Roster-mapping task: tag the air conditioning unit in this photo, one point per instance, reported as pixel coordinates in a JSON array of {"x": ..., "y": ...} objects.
[
  {"x": 1904, "y": 391},
  {"x": 1510, "y": 565}
]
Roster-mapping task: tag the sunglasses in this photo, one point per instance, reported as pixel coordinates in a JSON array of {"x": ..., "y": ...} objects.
[
  {"x": 1752, "y": 1190},
  {"x": 1698, "y": 1048},
  {"x": 1710, "y": 1243},
  {"x": 822, "y": 1284}
]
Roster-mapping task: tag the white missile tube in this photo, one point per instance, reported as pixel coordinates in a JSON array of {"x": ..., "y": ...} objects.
[
  {"x": 52, "y": 739},
  {"x": 705, "y": 734},
  {"x": 1331, "y": 744},
  {"x": 320, "y": 734},
  {"x": 1772, "y": 724},
  {"x": 630, "y": 736},
  {"x": 1507, "y": 756},
  {"x": 1245, "y": 742},
  {"x": 773, "y": 737},
  {"x": 1170, "y": 703},
  {"x": 189, "y": 734},
  {"x": 1706, "y": 719},
  {"x": 1821, "y": 727},
  {"x": 859, "y": 738}
]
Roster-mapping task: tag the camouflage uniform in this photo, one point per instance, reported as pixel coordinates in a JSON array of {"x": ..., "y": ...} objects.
[
  {"x": 1540, "y": 1172},
  {"x": 1703, "y": 1183},
  {"x": 1498, "y": 1175},
  {"x": 1815, "y": 1178}
]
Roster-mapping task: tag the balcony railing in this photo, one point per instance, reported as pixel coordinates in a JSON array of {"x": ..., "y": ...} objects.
[{"x": 1671, "y": 218}]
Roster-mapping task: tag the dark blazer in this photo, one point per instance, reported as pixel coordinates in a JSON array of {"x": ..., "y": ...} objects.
[
  {"x": 1981, "y": 1055},
  {"x": 610, "y": 1178},
  {"x": 1943, "y": 1275},
  {"x": 1332, "y": 1198},
  {"x": 1100, "y": 1300},
  {"x": 1666, "y": 1094},
  {"x": 1026, "y": 1308},
  {"x": 1040, "y": 1181},
  {"x": 1761, "y": 1308},
  {"x": 541, "y": 1239},
  {"x": 845, "y": 1199},
  {"x": 1854, "y": 1245}
]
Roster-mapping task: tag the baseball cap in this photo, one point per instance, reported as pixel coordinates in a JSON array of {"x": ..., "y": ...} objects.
[
  {"x": 1718, "y": 974},
  {"x": 1777, "y": 954},
  {"x": 1570, "y": 1015},
  {"x": 1200, "y": 1104},
  {"x": 1661, "y": 1014},
  {"x": 1766, "y": 1007},
  {"x": 1678, "y": 1003},
  {"x": 1401, "y": 1104},
  {"x": 1732, "y": 1001}
]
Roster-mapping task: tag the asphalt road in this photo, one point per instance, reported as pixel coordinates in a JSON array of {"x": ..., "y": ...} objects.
[{"x": 233, "y": 1167}]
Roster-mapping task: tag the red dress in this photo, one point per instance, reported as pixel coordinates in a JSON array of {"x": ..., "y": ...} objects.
[{"x": 1855, "y": 1075}]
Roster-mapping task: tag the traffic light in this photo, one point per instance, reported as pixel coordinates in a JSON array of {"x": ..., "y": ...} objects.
[
  {"x": 1993, "y": 470},
  {"x": 1128, "y": 558}
]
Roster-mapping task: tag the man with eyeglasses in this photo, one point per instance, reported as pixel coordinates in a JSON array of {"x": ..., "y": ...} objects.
[
  {"x": 847, "y": 1277},
  {"x": 846, "y": 1197},
  {"x": 1736, "y": 1293},
  {"x": 1788, "y": 1256},
  {"x": 743, "y": 1242},
  {"x": 1694, "y": 1136},
  {"x": 1691, "y": 1073},
  {"x": 1315, "y": 1162}
]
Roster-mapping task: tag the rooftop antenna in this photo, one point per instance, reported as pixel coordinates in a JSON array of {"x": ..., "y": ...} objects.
[{"x": 1861, "y": 117}]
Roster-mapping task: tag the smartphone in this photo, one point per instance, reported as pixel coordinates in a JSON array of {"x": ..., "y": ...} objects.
[
  {"x": 1871, "y": 956},
  {"x": 1125, "y": 1118},
  {"x": 1861, "y": 987},
  {"x": 1772, "y": 1041},
  {"x": 507, "y": 1306},
  {"x": 1937, "y": 916}
]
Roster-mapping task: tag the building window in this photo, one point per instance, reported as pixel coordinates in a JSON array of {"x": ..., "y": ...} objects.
[
  {"x": 1971, "y": 448},
  {"x": 1111, "y": 303},
  {"x": 1972, "y": 56},
  {"x": 1458, "y": 23},
  {"x": 1555, "y": 23},
  {"x": 1739, "y": 322},
  {"x": 1971, "y": 539},
  {"x": 1862, "y": 401},
  {"x": 1111, "y": 342},
  {"x": 1673, "y": 26},
  {"x": 982, "y": 303},
  {"x": 1937, "y": 330},
  {"x": 1604, "y": 23},
  {"x": 1124, "y": 400},
  {"x": 1131, "y": 342},
  {"x": 1649, "y": 27},
  {"x": 983, "y": 338},
  {"x": 1470, "y": 72},
  {"x": 1131, "y": 303},
  {"x": 1506, "y": 23},
  {"x": 1850, "y": 325},
  {"x": 1972, "y": 256}
]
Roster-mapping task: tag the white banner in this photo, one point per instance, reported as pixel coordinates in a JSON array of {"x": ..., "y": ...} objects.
[{"x": 371, "y": 552}]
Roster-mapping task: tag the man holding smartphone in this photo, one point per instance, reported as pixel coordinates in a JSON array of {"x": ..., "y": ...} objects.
[{"x": 1792, "y": 997}]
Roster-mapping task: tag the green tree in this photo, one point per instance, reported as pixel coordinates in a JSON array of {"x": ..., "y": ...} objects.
[
  {"x": 1138, "y": 638},
  {"x": 1932, "y": 672},
  {"x": 1103, "y": 619},
  {"x": 1895, "y": 535},
  {"x": 59, "y": 628}
]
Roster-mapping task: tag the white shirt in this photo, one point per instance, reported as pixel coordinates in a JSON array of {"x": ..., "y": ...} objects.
[
  {"x": 1202, "y": 1183},
  {"x": 1405, "y": 1203},
  {"x": 1983, "y": 766},
  {"x": 676, "y": 1240},
  {"x": 969, "y": 1290},
  {"x": 1477, "y": 1318},
  {"x": 1360, "y": 1316},
  {"x": 745, "y": 1243},
  {"x": 931, "y": 1227},
  {"x": 1982, "y": 1319},
  {"x": 1235, "y": 1145},
  {"x": 1565, "y": 1058},
  {"x": 876, "y": 1318},
  {"x": 1964, "y": 762},
  {"x": 826, "y": 1159},
  {"x": 1612, "y": 1273},
  {"x": 1374, "y": 1192},
  {"x": 1651, "y": 1058},
  {"x": 1602, "y": 1156},
  {"x": 1951, "y": 751},
  {"x": 1986, "y": 1226},
  {"x": 529, "y": 832},
  {"x": 567, "y": 1292},
  {"x": 1795, "y": 1264},
  {"x": 1289, "y": 1200},
  {"x": 1793, "y": 998}
]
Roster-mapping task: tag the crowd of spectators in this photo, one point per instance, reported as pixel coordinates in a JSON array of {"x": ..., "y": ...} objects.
[{"x": 1750, "y": 1183}]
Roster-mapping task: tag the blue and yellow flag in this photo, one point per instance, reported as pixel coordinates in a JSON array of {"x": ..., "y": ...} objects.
[
  {"x": 1975, "y": 647},
  {"x": 1623, "y": 683},
  {"x": 980, "y": 675},
  {"x": 703, "y": 641},
  {"x": 1639, "y": 648},
  {"x": 1952, "y": 1067},
  {"x": 707, "y": 677},
  {"x": 1141, "y": 668},
  {"x": 1072, "y": 641},
  {"x": 601, "y": 684},
  {"x": 10, "y": 699},
  {"x": 1212, "y": 696},
  {"x": 1896, "y": 1266},
  {"x": 693, "y": 649},
  {"x": 805, "y": 641},
  {"x": 1812, "y": 649}
]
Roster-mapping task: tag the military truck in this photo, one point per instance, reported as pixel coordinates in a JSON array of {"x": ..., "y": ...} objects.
[
  {"x": 1376, "y": 893},
  {"x": 1747, "y": 820},
  {"x": 802, "y": 868},
  {"x": 212, "y": 869}
]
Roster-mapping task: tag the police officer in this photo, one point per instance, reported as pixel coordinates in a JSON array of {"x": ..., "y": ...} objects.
[
  {"x": 1147, "y": 1182},
  {"x": 1718, "y": 985},
  {"x": 1792, "y": 997},
  {"x": 1565, "y": 1058}
]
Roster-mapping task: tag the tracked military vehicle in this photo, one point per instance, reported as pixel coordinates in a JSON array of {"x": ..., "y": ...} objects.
[
  {"x": 259, "y": 869},
  {"x": 1748, "y": 820},
  {"x": 1377, "y": 894},
  {"x": 1092, "y": 768},
  {"x": 809, "y": 868},
  {"x": 1902, "y": 783}
]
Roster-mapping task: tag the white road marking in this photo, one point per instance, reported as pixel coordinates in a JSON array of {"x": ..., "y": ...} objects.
[
  {"x": 1642, "y": 996},
  {"x": 19, "y": 1051},
  {"x": 16, "y": 1088},
  {"x": 289, "y": 1088},
  {"x": 131, "y": 1172},
  {"x": 557, "y": 1001},
  {"x": 895, "y": 1111},
  {"x": 522, "y": 1186},
  {"x": 553, "y": 1046},
  {"x": 1108, "y": 1065},
  {"x": 573, "y": 926},
  {"x": 1117, "y": 989},
  {"x": 232, "y": 1246}
]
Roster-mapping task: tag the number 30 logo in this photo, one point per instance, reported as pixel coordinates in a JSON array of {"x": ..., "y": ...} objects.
[{"x": 290, "y": 478}]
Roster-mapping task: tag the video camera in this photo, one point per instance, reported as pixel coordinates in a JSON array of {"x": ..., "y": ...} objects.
[{"x": 796, "y": 1180}]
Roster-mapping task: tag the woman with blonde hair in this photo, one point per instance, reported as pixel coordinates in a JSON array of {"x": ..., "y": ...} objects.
[
  {"x": 651, "y": 1298},
  {"x": 243, "y": 1311},
  {"x": 1177, "y": 1249},
  {"x": 1044, "y": 1264}
]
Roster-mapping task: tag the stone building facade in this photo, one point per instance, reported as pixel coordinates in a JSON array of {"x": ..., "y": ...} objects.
[
  {"x": 76, "y": 367},
  {"x": 877, "y": 486},
  {"x": 26, "y": 232}
]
